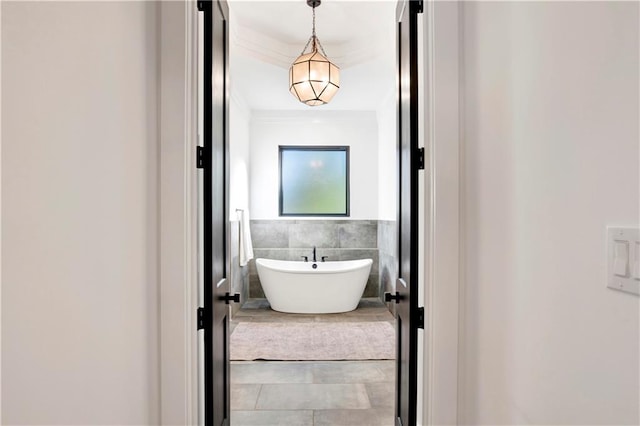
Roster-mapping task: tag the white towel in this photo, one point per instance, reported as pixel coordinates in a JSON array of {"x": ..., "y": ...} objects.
[{"x": 246, "y": 248}]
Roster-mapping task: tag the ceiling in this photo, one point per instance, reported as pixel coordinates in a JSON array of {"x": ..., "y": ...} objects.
[{"x": 358, "y": 36}]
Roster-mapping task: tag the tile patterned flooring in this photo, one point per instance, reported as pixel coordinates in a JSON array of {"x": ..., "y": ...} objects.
[{"x": 347, "y": 393}]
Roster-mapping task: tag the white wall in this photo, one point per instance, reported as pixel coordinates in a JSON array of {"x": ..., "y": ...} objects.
[
  {"x": 79, "y": 213},
  {"x": 357, "y": 129},
  {"x": 387, "y": 158},
  {"x": 551, "y": 157},
  {"x": 239, "y": 154}
]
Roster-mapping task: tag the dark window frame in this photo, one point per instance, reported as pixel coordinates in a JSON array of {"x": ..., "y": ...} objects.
[{"x": 339, "y": 148}]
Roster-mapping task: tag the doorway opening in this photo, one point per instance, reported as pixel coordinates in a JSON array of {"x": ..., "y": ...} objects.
[
  {"x": 247, "y": 121},
  {"x": 320, "y": 382}
]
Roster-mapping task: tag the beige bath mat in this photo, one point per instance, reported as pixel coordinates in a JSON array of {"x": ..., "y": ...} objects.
[{"x": 321, "y": 341}]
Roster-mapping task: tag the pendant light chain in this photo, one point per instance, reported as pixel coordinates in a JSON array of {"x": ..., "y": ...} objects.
[
  {"x": 313, "y": 40},
  {"x": 313, "y": 29},
  {"x": 316, "y": 40}
]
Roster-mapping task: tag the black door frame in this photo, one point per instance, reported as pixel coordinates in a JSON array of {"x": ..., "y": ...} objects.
[
  {"x": 214, "y": 158},
  {"x": 409, "y": 317}
]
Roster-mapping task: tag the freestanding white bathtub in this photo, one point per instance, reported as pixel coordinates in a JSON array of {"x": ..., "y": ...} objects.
[{"x": 298, "y": 287}]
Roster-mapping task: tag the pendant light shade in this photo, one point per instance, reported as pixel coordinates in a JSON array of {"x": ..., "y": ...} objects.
[{"x": 314, "y": 79}]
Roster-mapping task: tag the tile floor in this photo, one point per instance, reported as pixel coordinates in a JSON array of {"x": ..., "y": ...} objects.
[{"x": 348, "y": 393}]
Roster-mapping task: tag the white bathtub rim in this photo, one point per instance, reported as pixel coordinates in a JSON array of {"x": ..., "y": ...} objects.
[{"x": 301, "y": 267}]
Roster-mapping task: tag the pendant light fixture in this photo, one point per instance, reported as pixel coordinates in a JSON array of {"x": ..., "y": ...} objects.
[{"x": 313, "y": 79}]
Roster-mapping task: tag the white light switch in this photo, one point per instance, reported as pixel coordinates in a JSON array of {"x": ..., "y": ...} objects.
[
  {"x": 621, "y": 258},
  {"x": 623, "y": 263}
]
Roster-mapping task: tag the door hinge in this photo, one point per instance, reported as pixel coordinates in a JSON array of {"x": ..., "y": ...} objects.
[
  {"x": 420, "y": 158},
  {"x": 200, "y": 5},
  {"x": 388, "y": 297},
  {"x": 420, "y": 318},
  {"x": 418, "y": 6},
  {"x": 200, "y": 157},
  {"x": 200, "y": 314}
]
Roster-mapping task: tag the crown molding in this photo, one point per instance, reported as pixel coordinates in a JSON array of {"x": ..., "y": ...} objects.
[
  {"x": 250, "y": 43},
  {"x": 318, "y": 117},
  {"x": 239, "y": 102}
]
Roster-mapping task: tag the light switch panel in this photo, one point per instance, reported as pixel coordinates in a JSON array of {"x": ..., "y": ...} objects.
[{"x": 623, "y": 263}]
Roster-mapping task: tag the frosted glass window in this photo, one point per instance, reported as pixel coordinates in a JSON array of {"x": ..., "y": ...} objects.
[{"x": 314, "y": 181}]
